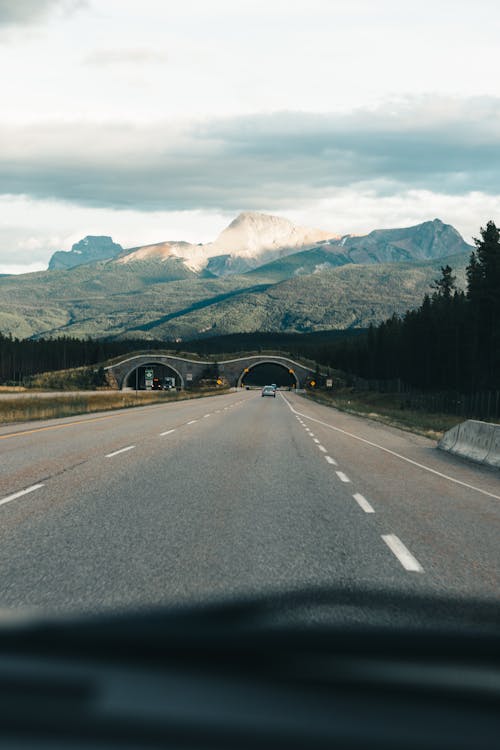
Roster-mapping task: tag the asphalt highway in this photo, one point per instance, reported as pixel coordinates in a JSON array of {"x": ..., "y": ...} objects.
[{"x": 236, "y": 494}]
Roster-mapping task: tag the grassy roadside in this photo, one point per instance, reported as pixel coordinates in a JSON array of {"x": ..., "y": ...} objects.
[
  {"x": 387, "y": 408},
  {"x": 28, "y": 409}
]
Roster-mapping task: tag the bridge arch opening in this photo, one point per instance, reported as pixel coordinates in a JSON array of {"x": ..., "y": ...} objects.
[
  {"x": 162, "y": 375},
  {"x": 266, "y": 373}
]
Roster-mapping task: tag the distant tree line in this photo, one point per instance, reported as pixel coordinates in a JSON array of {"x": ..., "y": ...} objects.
[
  {"x": 22, "y": 358},
  {"x": 451, "y": 342}
]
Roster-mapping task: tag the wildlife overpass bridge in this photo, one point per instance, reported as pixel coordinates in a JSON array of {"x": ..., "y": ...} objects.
[{"x": 128, "y": 371}]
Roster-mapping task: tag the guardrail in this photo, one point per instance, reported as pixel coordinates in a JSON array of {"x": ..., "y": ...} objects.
[{"x": 477, "y": 441}]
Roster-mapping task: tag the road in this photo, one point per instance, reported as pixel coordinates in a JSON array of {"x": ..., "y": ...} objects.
[{"x": 236, "y": 494}]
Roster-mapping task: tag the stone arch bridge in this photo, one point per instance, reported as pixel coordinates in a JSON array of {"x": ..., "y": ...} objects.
[{"x": 188, "y": 372}]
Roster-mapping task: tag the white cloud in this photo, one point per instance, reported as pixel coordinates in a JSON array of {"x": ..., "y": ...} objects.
[
  {"x": 125, "y": 56},
  {"x": 348, "y": 112},
  {"x": 32, "y": 11}
]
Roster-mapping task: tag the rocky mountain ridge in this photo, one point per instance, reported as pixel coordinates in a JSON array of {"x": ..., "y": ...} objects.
[
  {"x": 254, "y": 240},
  {"x": 89, "y": 250}
]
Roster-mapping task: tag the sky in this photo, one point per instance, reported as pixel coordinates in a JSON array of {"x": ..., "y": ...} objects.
[{"x": 162, "y": 120}]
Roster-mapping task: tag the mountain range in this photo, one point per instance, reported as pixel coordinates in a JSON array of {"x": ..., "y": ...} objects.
[{"x": 261, "y": 273}]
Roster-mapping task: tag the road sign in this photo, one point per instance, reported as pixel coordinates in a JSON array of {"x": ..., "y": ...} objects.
[
  {"x": 329, "y": 383},
  {"x": 189, "y": 376},
  {"x": 148, "y": 374}
]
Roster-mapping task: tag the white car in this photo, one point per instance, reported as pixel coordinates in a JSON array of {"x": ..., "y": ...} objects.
[{"x": 269, "y": 390}]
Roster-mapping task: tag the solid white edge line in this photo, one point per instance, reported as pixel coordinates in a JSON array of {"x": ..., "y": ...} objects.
[
  {"x": 167, "y": 432},
  {"x": 363, "y": 503},
  {"x": 343, "y": 477},
  {"x": 122, "y": 450},
  {"x": 331, "y": 460},
  {"x": 393, "y": 453},
  {"x": 20, "y": 493},
  {"x": 402, "y": 553}
]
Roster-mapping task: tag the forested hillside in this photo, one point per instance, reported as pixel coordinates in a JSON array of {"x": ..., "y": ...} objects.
[{"x": 451, "y": 342}]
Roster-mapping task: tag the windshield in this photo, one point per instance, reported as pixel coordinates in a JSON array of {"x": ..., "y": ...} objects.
[{"x": 207, "y": 203}]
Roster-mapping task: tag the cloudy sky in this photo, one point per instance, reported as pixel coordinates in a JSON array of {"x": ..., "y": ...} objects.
[{"x": 161, "y": 119}]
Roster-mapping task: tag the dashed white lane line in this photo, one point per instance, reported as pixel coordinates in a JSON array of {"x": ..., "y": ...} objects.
[
  {"x": 20, "y": 493},
  {"x": 363, "y": 503},
  {"x": 192, "y": 421},
  {"x": 393, "y": 453},
  {"x": 122, "y": 450},
  {"x": 331, "y": 460},
  {"x": 167, "y": 432},
  {"x": 205, "y": 416},
  {"x": 402, "y": 553},
  {"x": 316, "y": 441},
  {"x": 322, "y": 448},
  {"x": 343, "y": 477}
]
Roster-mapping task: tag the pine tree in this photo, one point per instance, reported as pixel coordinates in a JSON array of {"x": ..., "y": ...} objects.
[{"x": 445, "y": 285}]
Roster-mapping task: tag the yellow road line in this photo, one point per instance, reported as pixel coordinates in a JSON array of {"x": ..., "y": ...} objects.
[{"x": 57, "y": 426}]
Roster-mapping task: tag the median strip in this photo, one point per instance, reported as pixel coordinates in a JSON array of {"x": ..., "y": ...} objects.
[
  {"x": 20, "y": 493},
  {"x": 122, "y": 450},
  {"x": 402, "y": 553}
]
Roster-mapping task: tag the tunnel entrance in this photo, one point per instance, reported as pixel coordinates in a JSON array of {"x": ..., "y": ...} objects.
[
  {"x": 268, "y": 373},
  {"x": 161, "y": 376}
]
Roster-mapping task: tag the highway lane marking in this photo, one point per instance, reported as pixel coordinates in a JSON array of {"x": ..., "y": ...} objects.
[
  {"x": 20, "y": 493},
  {"x": 363, "y": 503},
  {"x": 343, "y": 477},
  {"x": 122, "y": 450},
  {"x": 396, "y": 455},
  {"x": 192, "y": 421},
  {"x": 167, "y": 432},
  {"x": 205, "y": 416},
  {"x": 316, "y": 441},
  {"x": 402, "y": 553},
  {"x": 331, "y": 460},
  {"x": 322, "y": 448}
]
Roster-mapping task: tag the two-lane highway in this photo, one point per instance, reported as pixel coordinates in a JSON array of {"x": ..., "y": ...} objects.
[{"x": 236, "y": 494}]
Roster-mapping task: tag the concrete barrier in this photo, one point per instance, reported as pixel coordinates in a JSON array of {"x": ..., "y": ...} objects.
[
  {"x": 477, "y": 441},
  {"x": 493, "y": 457},
  {"x": 449, "y": 439}
]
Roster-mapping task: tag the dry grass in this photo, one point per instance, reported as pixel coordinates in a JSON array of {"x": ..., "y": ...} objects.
[
  {"x": 27, "y": 408},
  {"x": 387, "y": 408}
]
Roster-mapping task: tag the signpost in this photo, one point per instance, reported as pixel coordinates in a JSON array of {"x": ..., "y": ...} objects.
[
  {"x": 329, "y": 383},
  {"x": 148, "y": 375}
]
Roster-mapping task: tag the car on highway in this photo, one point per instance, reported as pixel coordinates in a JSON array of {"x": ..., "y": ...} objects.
[{"x": 269, "y": 390}]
